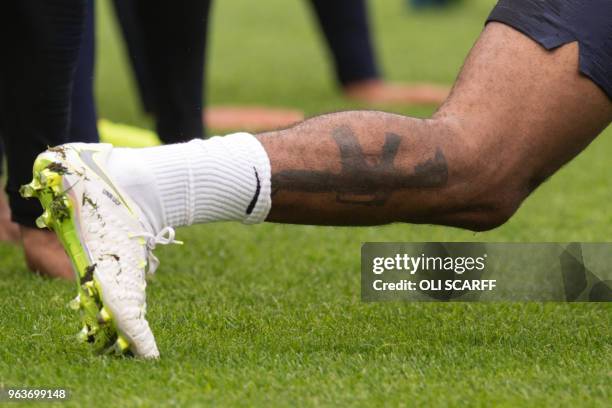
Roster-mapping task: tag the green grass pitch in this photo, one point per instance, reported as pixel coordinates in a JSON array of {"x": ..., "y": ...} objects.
[{"x": 271, "y": 315}]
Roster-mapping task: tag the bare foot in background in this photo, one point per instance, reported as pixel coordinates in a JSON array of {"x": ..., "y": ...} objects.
[
  {"x": 377, "y": 91},
  {"x": 9, "y": 231},
  {"x": 44, "y": 253},
  {"x": 250, "y": 118}
]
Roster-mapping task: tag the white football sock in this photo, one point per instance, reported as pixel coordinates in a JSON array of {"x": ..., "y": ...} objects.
[{"x": 219, "y": 179}]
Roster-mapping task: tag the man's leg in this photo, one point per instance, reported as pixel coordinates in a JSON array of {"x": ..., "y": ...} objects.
[{"x": 517, "y": 113}]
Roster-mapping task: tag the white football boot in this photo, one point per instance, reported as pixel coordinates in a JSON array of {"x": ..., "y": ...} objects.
[{"x": 109, "y": 242}]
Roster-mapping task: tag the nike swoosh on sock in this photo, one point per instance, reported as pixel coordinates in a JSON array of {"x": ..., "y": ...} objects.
[{"x": 251, "y": 206}]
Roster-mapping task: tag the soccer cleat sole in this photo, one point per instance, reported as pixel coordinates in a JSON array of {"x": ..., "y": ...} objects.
[{"x": 98, "y": 325}]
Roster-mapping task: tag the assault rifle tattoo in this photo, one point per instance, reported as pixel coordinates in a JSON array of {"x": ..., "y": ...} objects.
[{"x": 366, "y": 179}]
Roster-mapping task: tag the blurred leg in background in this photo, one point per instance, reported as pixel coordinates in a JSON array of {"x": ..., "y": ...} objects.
[
  {"x": 167, "y": 50},
  {"x": 167, "y": 46},
  {"x": 41, "y": 43},
  {"x": 346, "y": 27},
  {"x": 83, "y": 117}
]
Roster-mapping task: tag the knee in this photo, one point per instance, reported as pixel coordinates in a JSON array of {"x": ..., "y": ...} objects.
[
  {"x": 490, "y": 205},
  {"x": 487, "y": 186},
  {"x": 492, "y": 210}
]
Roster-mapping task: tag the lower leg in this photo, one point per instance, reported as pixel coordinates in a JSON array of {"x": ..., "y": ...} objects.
[{"x": 517, "y": 114}]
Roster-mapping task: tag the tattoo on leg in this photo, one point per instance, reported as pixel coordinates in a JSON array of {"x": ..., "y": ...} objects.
[{"x": 366, "y": 179}]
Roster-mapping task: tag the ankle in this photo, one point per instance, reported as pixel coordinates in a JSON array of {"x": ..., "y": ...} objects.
[{"x": 219, "y": 179}]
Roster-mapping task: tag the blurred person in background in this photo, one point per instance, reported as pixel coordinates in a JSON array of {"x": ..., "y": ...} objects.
[
  {"x": 167, "y": 49},
  {"x": 46, "y": 99}
]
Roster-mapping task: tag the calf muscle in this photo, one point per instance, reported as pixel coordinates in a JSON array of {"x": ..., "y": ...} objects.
[{"x": 359, "y": 168}]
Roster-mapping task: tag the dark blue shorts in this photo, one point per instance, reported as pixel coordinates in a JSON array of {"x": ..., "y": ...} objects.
[{"x": 552, "y": 23}]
